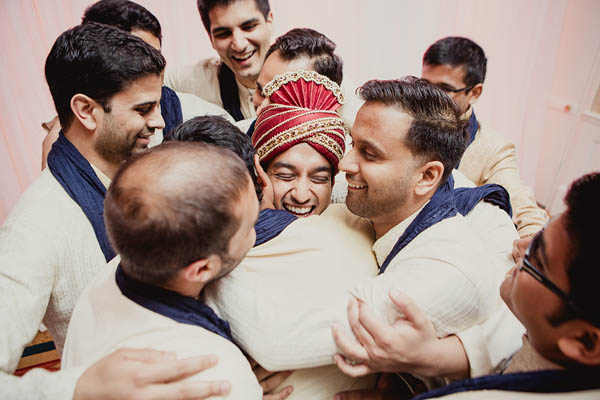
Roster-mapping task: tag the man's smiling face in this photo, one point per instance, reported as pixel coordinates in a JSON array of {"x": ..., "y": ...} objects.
[
  {"x": 241, "y": 35},
  {"x": 301, "y": 180}
]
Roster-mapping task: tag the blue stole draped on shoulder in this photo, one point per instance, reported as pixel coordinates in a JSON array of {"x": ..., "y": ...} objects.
[
  {"x": 271, "y": 223},
  {"x": 251, "y": 128},
  {"x": 549, "y": 381},
  {"x": 440, "y": 207},
  {"x": 445, "y": 203},
  {"x": 76, "y": 176},
  {"x": 180, "y": 308},
  {"x": 467, "y": 198},
  {"x": 170, "y": 109},
  {"x": 473, "y": 127},
  {"x": 230, "y": 95}
]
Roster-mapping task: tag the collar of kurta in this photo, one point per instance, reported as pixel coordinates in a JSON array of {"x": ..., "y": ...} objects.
[{"x": 180, "y": 308}]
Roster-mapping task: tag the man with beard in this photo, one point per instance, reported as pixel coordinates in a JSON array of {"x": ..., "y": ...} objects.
[
  {"x": 173, "y": 237},
  {"x": 106, "y": 87}
]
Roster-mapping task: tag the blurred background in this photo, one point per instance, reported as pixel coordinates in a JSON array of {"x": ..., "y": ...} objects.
[{"x": 542, "y": 89}]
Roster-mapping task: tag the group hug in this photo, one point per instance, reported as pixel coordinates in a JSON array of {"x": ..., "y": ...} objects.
[{"x": 253, "y": 226}]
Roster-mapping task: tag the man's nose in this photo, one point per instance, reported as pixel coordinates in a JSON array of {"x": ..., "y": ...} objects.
[
  {"x": 348, "y": 163},
  {"x": 239, "y": 41},
  {"x": 301, "y": 192},
  {"x": 156, "y": 120}
]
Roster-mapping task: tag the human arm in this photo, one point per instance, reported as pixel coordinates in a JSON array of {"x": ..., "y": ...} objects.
[
  {"x": 269, "y": 381},
  {"x": 502, "y": 169},
  {"x": 52, "y": 129}
]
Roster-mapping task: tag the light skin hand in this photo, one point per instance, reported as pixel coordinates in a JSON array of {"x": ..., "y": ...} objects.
[
  {"x": 52, "y": 128},
  {"x": 519, "y": 247},
  {"x": 408, "y": 345},
  {"x": 148, "y": 374},
  {"x": 270, "y": 380}
]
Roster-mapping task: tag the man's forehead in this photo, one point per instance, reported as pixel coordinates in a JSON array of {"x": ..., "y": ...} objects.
[
  {"x": 146, "y": 89},
  {"x": 233, "y": 14},
  {"x": 276, "y": 65},
  {"x": 444, "y": 73},
  {"x": 300, "y": 157}
]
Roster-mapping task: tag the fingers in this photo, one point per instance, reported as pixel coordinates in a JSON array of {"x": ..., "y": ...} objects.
[
  {"x": 354, "y": 371},
  {"x": 174, "y": 370},
  {"x": 146, "y": 355},
  {"x": 412, "y": 312},
  {"x": 362, "y": 334},
  {"x": 274, "y": 380},
  {"x": 348, "y": 347},
  {"x": 187, "y": 390},
  {"x": 282, "y": 394},
  {"x": 374, "y": 332}
]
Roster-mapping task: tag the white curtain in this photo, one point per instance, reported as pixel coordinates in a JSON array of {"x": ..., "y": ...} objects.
[{"x": 376, "y": 39}]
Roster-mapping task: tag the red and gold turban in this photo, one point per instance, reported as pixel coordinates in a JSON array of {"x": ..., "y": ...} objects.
[{"x": 302, "y": 110}]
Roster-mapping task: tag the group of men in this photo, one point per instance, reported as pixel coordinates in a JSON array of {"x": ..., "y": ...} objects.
[{"x": 219, "y": 262}]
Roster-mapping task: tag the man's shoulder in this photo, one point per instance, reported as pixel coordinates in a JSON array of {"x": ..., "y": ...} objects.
[
  {"x": 488, "y": 138},
  {"x": 44, "y": 202}
]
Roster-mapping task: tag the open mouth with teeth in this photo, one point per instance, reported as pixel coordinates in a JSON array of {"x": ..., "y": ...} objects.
[
  {"x": 300, "y": 211},
  {"x": 244, "y": 57},
  {"x": 356, "y": 186}
]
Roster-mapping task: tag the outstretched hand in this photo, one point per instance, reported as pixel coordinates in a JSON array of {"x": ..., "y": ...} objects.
[
  {"x": 148, "y": 374},
  {"x": 270, "y": 381}
]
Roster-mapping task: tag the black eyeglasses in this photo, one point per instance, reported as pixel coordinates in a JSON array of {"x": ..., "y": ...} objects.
[
  {"x": 541, "y": 278},
  {"x": 449, "y": 89}
]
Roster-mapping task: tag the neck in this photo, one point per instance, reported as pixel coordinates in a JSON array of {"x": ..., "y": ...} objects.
[
  {"x": 249, "y": 83},
  {"x": 82, "y": 140},
  {"x": 384, "y": 224},
  {"x": 184, "y": 288},
  {"x": 527, "y": 359}
]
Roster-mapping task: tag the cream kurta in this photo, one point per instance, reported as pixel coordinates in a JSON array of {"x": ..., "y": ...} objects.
[
  {"x": 105, "y": 320},
  {"x": 292, "y": 288},
  {"x": 493, "y": 159}
]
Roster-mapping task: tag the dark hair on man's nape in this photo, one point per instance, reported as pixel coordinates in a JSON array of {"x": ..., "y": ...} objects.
[{"x": 123, "y": 14}]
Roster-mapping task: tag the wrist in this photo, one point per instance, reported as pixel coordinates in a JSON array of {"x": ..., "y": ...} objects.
[{"x": 451, "y": 359}]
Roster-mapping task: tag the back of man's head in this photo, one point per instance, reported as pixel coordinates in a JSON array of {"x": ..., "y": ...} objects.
[
  {"x": 437, "y": 132},
  {"x": 173, "y": 205},
  {"x": 220, "y": 132},
  {"x": 204, "y": 7},
  {"x": 123, "y": 14},
  {"x": 305, "y": 42},
  {"x": 459, "y": 51},
  {"x": 98, "y": 61},
  {"x": 581, "y": 223}
]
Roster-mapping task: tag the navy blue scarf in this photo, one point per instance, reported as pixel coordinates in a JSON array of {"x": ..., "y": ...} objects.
[
  {"x": 76, "y": 176},
  {"x": 445, "y": 203},
  {"x": 467, "y": 198},
  {"x": 170, "y": 108},
  {"x": 550, "y": 381},
  {"x": 271, "y": 223},
  {"x": 229, "y": 92},
  {"x": 183, "y": 309},
  {"x": 250, "y": 131},
  {"x": 440, "y": 207},
  {"x": 473, "y": 127}
]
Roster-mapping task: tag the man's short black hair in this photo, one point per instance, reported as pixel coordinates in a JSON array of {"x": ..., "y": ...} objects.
[
  {"x": 123, "y": 14},
  {"x": 436, "y": 133},
  {"x": 99, "y": 61},
  {"x": 220, "y": 132},
  {"x": 204, "y": 7},
  {"x": 305, "y": 42},
  {"x": 582, "y": 222},
  {"x": 459, "y": 51}
]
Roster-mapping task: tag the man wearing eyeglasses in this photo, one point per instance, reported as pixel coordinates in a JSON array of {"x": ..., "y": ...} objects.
[
  {"x": 458, "y": 65},
  {"x": 553, "y": 291}
]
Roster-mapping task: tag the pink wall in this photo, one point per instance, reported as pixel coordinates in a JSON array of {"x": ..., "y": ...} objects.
[{"x": 377, "y": 39}]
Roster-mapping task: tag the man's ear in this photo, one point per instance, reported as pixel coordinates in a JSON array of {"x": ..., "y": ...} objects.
[
  {"x": 581, "y": 343},
  {"x": 430, "y": 177},
  {"x": 85, "y": 110},
  {"x": 265, "y": 183},
  {"x": 475, "y": 93},
  {"x": 204, "y": 270}
]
